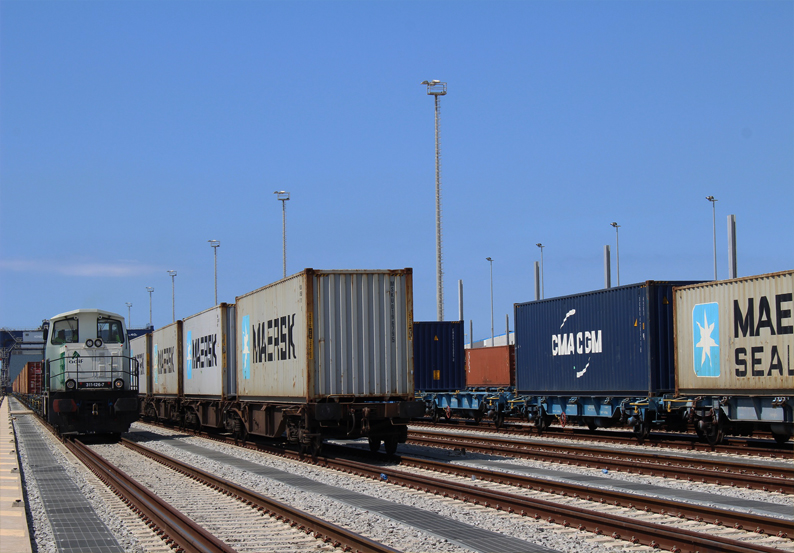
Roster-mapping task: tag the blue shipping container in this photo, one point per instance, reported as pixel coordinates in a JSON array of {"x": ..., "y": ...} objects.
[
  {"x": 615, "y": 341},
  {"x": 439, "y": 360}
]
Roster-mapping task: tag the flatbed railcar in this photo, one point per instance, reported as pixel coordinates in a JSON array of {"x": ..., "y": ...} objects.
[
  {"x": 89, "y": 383},
  {"x": 317, "y": 355}
]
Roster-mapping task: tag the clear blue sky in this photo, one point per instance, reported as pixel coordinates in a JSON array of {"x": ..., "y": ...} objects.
[{"x": 131, "y": 133}]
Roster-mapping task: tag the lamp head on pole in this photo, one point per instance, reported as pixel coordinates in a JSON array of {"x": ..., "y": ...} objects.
[
  {"x": 489, "y": 259},
  {"x": 614, "y": 224},
  {"x": 540, "y": 246},
  {"x": 149, "y": 289},
  {"x": 214, "y": 243},
  {"x": 712, "y": 199},
  {"x": 282, "y": 195},
  {"x": 435, "y": 87},
  {"x": 172, "y": 273}
]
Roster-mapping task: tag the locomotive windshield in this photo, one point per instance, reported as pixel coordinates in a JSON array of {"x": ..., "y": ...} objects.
[
  {"x": 109, "y": 331},
  {"x": 65, "y": 332}
]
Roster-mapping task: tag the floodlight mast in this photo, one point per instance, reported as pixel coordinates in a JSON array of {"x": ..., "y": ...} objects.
[{"x": 436, "y": 88}]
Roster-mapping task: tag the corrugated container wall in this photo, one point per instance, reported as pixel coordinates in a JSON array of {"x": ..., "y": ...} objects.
[
  {"x": 324, "y": 334},
  {"x": 35, "y": 377},
  {"x": 615, "y": 341},
  {"x": 208, "y": 351},
  {"x": 736, "y": 336},
  {"x": 141, "y": 350},
  {"x": 491, "y": 367},
  {"x": 167, "y": 360},
  {"x": 439, "y": 361}
]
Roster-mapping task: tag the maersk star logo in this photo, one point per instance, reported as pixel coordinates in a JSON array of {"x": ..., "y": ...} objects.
[
  {"x": 246, "y": 348},
  {"x": 189, "y": 360},
  {"x": 706, "y": 335}
]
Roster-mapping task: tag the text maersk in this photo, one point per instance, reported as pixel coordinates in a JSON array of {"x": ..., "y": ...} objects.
[
  {"x": 580, "y": 343},
  {"x": 273, "y": 339},
  {"x": 762, "y": 361}
]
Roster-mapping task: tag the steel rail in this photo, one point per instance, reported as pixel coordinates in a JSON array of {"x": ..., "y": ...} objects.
[
  {"x": 176, "y": 529},
  {"x": 780, "y": 479},
  {"x": 321, "y": 529},
  {"x": 720, "y": 517},
  {"x": 685, "y": 442},
  {"x": 618, "y": 527}
]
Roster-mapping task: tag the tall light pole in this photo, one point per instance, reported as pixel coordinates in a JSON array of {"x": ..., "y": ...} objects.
[
  {"x": 489, "y": 260},
  {"x": 435, "y": 89},
  {"x": 283, "y": 196},
  {"x": 173, "y": 301},
  {"x": 542, "y": 278},
  {"x": 150, "y": 290},
  {"x": 713, "y": 201},
  {"x": 129, "y": 315},
  {"x": 617, "y": 247},
  {"x": 215, "y": 244}
]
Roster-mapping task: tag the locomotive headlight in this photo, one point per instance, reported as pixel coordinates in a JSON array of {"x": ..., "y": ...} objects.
[
  {"x": 71, "y": 384},
  {"x": 118, "y": 384},
  {"x": 98, "y": 342},
  {"x": 89, "y": 343}
]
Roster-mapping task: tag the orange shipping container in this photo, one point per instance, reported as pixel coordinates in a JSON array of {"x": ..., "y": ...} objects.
[{"x": 491, "y": 367}]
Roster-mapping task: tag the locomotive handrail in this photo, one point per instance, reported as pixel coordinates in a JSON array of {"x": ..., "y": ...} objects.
[{"x": 113, "y": 369}]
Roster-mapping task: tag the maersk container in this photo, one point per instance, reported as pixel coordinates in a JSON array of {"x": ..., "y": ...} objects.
[
  {"x": 491, "y": 367},
  {"x": 208, "y": 353},
  {"x": 141, "y": 350},
  {"x": 736, "y": 337},
  {"x": 439, "y": 360},
  {"x": 167, "y": 360},
  {"x": 610, "y": 342},
  {"x": 321, "y": 335}
]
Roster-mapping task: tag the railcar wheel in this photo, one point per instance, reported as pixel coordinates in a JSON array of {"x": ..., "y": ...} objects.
[
  {"x": 436, "y": 416},
  {"x": 374, "y": 444},
  {"x": 542, "y": 422},
  {"x": 317, "y": 447},
  {"x": 391, "y": 444},
  {"x": 591, "y": 425},
  {"x": 780, "y": 438},
  {"x": 499, "y": 420},
  {"x": 714, "y": 434},
  {"x": 477, "y": 416}
]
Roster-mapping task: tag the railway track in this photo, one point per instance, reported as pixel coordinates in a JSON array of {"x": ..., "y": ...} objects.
[
  {"x": 767, "y": 448},
  {"x": 231, "y": 517},
  {"x": 598, "y": 518},
  {"x": 723, "y": 472}
]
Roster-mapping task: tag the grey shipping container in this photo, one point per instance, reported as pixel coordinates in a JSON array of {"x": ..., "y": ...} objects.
[
  {"x": 141, "y": 350},
  {"x": 327, "y": 334},
  {"x": 615, "y": 341},
  {"x": 167, "y": 360},
  {"x": 209, "y": 352},
  {"x": 439, "y": 359},
  {"x": 736, "y": 336}
]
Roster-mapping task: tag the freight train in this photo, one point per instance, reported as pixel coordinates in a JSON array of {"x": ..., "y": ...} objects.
[
  {"x": 711, "y": 356},
  {"x": 316, "y": 355},
  {"x": 87, "y": 382}
]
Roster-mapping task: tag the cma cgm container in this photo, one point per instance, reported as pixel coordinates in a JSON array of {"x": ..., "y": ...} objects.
[
  {"x": 735, "y": 341},
  {"x": 141, "y": 350},
  {"x": 327, "y": 353},
  {"x": 591, "y": 355},
  {"x": 491, "y": 367},
  {"x": 439, "y": 361}
]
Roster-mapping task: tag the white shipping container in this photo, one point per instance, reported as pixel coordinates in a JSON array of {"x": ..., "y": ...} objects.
[
  {"x": 736, "y": 336},
  {"x": 325, "y": 334},
  {"x": 141, "y": 350},
  {"x": 208, "y": 352},
  {"x": 167, "y": 360}
]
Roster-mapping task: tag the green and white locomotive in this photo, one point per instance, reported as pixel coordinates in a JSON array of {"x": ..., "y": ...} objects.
[{"x": 91, "y": 382}]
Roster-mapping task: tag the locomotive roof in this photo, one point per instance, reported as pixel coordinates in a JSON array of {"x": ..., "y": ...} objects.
[{"x": 80, "y": 311}]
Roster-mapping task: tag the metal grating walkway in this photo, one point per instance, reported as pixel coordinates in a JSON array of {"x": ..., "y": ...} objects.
[
  {"x": 460, "y": 533},
  {"x": 75, "y": 525}
]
